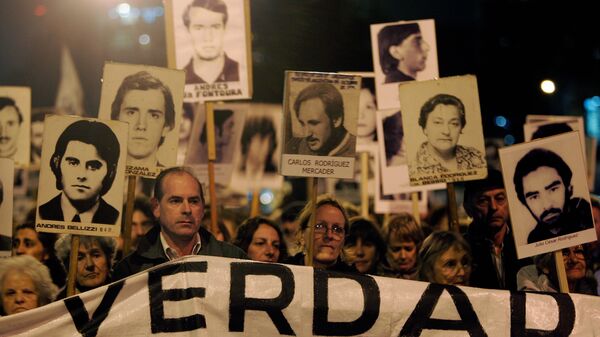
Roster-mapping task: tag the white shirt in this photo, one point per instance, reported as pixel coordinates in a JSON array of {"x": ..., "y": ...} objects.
[
  {"x": 172, "y": 253},
  {"x": 69, "y": 211}
]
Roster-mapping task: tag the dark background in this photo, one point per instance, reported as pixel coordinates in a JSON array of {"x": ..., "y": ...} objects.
[{"x": 510, "y": 45}]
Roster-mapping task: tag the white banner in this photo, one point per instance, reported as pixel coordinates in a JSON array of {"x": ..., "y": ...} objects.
[{"x": 211, "y": 296}]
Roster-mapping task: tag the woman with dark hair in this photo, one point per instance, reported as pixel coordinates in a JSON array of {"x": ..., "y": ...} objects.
[
  {"x": 445, "y": 258},
  {"x": 261, "y": 239},
  {"x": 40, "y": 245},
  {"x": 95, "y": 259},
  {"x": 442, "y": 119},
  {"x": 258, "y": 143},
  {"x": 330, "y": 228},
  {"x": 364, "y": 245}
]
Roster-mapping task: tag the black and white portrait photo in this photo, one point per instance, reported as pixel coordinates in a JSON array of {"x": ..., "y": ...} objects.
[
  {"x": 15, "y": 116},
  {"x": 259, "y": 150},
  {"x": 81, "y": 176},
  {"x": 212, "y": 45},
  {"x": 366, "y": 130},
  {"x": 546, "y": 126},
  {"x": 402, "y": 51},
  {"x": 548, "y": 197},
  {"x": 228, "y": 126},
  {"x": 150, "y": 100},
  {"x": 443, "y": 130},
  {"x": 6, "y": 205},
  {"x": 320, "y": 117}
]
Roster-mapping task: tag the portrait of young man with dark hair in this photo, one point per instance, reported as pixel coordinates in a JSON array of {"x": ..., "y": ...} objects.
[
  {"x": 543, "y": 184},
  {"x": 84, "y": 164},
  {"x": 11, "y": 119}
]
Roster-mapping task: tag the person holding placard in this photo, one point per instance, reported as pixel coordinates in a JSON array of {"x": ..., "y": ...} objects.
[
  {"x": 206, "y": 22},
  {"x": 402, "y": 52},
  {"x": 10, "y": 126},
  {"x": 542, "y": 182},
  {"x": 495, "y": 262},
  {"x": 442, "y": 119},
  {"x": 330, "y": 228},
  {"x": 178, "y": 206},
  {"x": 146, "y": 103},
  {"x": 84, "y": 164},
  {"x": 319, "y": 108}
]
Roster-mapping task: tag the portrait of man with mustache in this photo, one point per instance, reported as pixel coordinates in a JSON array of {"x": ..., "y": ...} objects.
[{"x": 542, "y": 181}]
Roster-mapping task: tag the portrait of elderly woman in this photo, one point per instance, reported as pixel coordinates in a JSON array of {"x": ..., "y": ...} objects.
[
  {"x": 445, "y": 259},
  {"x": 442, "y": 120},
  {"x": 25, "y": 284}
]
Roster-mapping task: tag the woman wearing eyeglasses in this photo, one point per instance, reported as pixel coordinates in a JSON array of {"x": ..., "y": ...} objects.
[
  {"x": 331, "y": 226},
  {"x": 445, "y": 259},
  {"x": 541, "y": 276}
]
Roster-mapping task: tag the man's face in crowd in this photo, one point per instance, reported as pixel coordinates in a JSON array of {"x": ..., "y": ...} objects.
[
  {"x": 144, "y": 110},
  {"x": 412, "y": 53},
  {"x": 545, "y": 195},
  {"x": 315, "y": 122},
  {"x": 402, "y": 255},
  {"x": 207, "y": 30},
  {"x": 9, "y": 131},
  {"x": 180, "y": 210},
  {"x": 37, "y": 134},
  {"x": 491, "y": 208},
  {"x": 92, "y": 266},
  {"x": 83, "y": 171},
  {"x": 140, "y": 225}
]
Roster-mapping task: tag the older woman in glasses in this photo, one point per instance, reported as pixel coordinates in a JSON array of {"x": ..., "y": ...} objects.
[
  {"x": 445, "y": 259},
  {"x": 331, "y": 226}
]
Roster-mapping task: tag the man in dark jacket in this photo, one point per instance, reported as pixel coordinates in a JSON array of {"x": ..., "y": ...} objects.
[
  {"x": 178, "y": 205},
  {"x": 495, "y": 263}
]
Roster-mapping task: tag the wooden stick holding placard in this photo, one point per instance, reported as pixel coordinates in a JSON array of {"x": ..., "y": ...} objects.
[
  {"x": 364, "y": 184},
  {"x": 72, "y": 272},
  {"x": 129, "y": 204},
  {"x": 212, "y": 157},
  {"x": 414, "y": 197},
  {"x": 314, "y": 182},
  {"x": 561, "y": 273},
  {"x": 452, "y": 212},
  {"x": 255, "y": 202}
]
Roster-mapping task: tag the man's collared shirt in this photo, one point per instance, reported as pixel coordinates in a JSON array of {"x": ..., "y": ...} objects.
[
  {"x": 172, "y": 253},
  {"x": 69, "y": 211}
]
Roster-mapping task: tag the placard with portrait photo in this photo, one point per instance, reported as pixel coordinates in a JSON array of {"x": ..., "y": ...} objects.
[
  {"x": 15, "y": 119},
  {"x": 402, "y": 51},
  {"x": 258, "y": 153},
  {"x": 366, "y": 130},
  {"x": 229, "y": 123},
  {"x": 6, "y": 205},
  {"x": 82, "y": 176},
  {"x": 150, "y": 100},
  {"x": 210, "y": 40},
  {"x": 392, "y": 154},
  {"x": 320, "y": 113},
  {"x": 443, "y": 130},
  {"x": 547, "y": 193}
]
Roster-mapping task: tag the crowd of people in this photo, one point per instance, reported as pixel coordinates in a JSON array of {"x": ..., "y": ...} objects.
[{"x": 170, "y": 225}]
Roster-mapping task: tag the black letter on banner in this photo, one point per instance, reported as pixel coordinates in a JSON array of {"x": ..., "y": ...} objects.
[
  {"x": 421, "y": 319},
  {"x": 566, "y": 316},
  {"x": 158, "y": 296},
  {"x": 239, "y": 303},
  {"x": 370, "y": 313},
  {"x": 80, "y": 316}
]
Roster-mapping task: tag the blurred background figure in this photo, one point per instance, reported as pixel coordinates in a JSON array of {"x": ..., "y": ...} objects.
[
  {"x": 25, "y": 284},
  {"x": 364, "y": 246},
  {"x": 258, "y": 144},
  {"x": 142, "y": 222},
  {"x": 40, "y": 245},
  {"x": 445, "y": 259},
  {"x": 290, "y": 225},
  {"x": 542, "y": 275},
  {"x": 261, "y": 239},
  {"x": 94, "y": 261},
  {"x": 403, "y": 237},
  {"x": 331, "y": 226}
]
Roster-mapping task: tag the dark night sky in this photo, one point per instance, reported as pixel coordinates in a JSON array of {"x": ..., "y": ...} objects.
[{"x": 510, "y": 45}]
